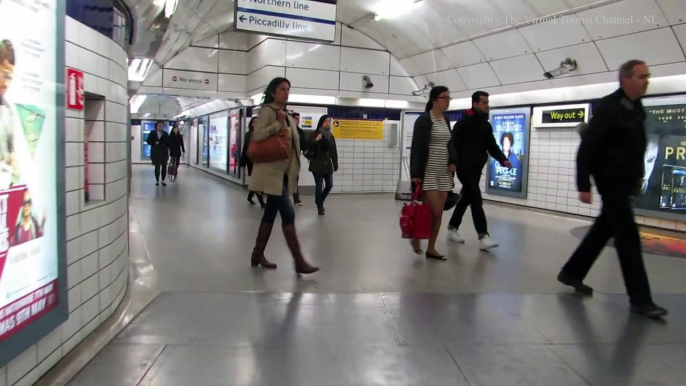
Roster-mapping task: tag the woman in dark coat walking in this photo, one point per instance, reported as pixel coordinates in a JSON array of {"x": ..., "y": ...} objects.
[
  {"x": 176, "y": 148},
  {"x": 324, "y": 160},
  {"x": 159, "y": 151},
  {"x": 246, "y": 163}
]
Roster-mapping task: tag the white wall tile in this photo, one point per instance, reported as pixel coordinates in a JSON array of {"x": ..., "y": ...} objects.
[{"x": 22, "y": 364}]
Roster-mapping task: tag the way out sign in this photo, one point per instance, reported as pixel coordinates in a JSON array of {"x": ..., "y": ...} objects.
[{"x": 75, "y": 95}]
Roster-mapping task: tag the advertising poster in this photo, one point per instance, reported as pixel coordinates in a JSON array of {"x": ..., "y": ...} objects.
[
  {"x": 511, "y": 132},
  {"x": 234, "y": 141},
  {"x": 357, "y": 129},
  {"x": 663, "y": 188},
  {"x": 30, "y": 121},
  {"x": 204, "y": 128},
  {"x": 219, "y": 141},
  {"x": 146, "y": 128}
]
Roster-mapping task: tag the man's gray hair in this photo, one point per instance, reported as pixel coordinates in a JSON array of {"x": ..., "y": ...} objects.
[{"x": 626, "y": 70}]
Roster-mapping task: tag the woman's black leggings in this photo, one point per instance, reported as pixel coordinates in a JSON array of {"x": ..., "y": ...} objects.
[
  {"x": 279, "y": 204},
  {"x": 163, "y": 168}
]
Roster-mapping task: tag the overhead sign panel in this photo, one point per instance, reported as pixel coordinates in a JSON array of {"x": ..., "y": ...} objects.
[
  {"x": 562, "y": 116},
  {"x": 306, "y": 19}
]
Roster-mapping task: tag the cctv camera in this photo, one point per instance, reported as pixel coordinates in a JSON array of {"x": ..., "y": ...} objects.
[
  {"x": 566, "y": 66},
  {"x": 367, "y": 82}
]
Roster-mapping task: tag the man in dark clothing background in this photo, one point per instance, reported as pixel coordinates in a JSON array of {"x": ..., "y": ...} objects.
[
  {"x": 303, "y": 148},
  {"x": 612, "y": 151},
  {"x": 472, "y": 139}
]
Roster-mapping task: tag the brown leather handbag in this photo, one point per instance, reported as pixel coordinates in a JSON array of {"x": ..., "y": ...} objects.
[{"x": 272, "y": 149}]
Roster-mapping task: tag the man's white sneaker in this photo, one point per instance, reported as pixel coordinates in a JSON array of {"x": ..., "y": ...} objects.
[
  {"x": 454, "y": 236},
  {"x": 486, "y": 243}
]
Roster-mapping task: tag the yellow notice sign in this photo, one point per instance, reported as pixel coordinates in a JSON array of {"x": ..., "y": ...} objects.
[{"x": 358, "y": 129}]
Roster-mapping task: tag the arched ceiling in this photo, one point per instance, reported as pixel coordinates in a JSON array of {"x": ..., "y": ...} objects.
[{"x": 431, "y": 25}]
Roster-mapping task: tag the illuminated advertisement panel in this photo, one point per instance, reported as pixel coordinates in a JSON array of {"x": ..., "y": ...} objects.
[
  {"x": 663, "y": 188},
  {"x": 511, "y": 132},
  {"x": 33, "y": 298}
]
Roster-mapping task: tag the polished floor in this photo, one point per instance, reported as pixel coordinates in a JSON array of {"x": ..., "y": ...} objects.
[{"x": 377, "y": 314}]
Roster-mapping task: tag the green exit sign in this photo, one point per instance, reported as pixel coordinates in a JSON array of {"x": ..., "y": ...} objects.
[{"x": 577, "y": 115}]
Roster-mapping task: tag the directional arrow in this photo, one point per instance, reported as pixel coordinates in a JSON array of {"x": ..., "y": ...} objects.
[
  {"x": 581, "y": 114},
  {"x": 242, "y": 19}
]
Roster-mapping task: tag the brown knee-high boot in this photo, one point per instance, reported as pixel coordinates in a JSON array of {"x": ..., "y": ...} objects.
[
  {"x": 301, "y": 265},
  {"x": 258, "y": 257}
]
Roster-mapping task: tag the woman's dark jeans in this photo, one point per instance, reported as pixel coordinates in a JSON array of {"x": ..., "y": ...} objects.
[
  {"x": 281, "y": 204},
  {"x": 160, "y": 168},
  {"x": 321, "y": 192}
]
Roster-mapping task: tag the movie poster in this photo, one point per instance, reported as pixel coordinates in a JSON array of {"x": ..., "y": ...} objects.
[
  {"x": 511, "y": 132},
  {"x": 28, "y": 156},
  {"x": 663, "y": 187}
]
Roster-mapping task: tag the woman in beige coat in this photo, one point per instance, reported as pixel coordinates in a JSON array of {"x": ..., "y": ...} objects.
[{"x": 277, "y": 179}]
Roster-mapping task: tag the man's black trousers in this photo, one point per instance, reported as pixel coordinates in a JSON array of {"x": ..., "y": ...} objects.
[{"x": 616, "y": 220}]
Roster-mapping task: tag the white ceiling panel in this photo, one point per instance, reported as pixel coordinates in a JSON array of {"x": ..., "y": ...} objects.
[
  {"x": 451, "y": 79},
  {"x": 353, "y": 82},
  {"x": 235, "y": 41},
  {"x": 680, "y": 32},
  {"x": 587, "y": 56},
  {"x": 154, "y": 77},
  {"x": 195, "y": 59},
  {"x": 211, "y": 42},
  {"x": 401, "y": 43},
  {"x": 548, "y": 7},
  {"x": 642, "y": 46},
  {"x": 233, "y": 62},
  {"x": 307, "y": 78},
  {"x": 554, "y": 33},
  {"x": 674, "y": 10},
  {"x": 503, "y": 45},
  {"x": 478, "y": 76},
  {"x": 463, "y": 54},
  {"x": 514, "y": 12},
  {"x": 310, "y": 55},
  {"x": 365, "y": 61},
  {"x": 354, "y": 38},
  {"x": 398, "y": 69},
  {"x": 401, "y": 85},
  {"x": 518, "y": 70},
  {"x": 428, "y": 62},
  {"x": 622, "y": 18}
]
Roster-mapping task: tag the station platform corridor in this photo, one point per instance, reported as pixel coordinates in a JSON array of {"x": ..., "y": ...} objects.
[{"x": 376, "y": 314}]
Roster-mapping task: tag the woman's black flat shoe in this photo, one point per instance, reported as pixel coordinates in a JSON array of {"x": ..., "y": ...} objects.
[{"x": 435, "y": 257}]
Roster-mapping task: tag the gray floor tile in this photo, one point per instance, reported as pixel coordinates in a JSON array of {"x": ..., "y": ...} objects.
[
  {"x": 626, "y": 364},
  {"x": 513, "y": 365},
  {"x": 377, "y": 314},
  {"x": 118, "y": 365},
  {"x": 303, "y": 366}
]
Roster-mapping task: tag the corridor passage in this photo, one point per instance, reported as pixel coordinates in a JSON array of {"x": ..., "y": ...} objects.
[{"x": 376, "y": 314}]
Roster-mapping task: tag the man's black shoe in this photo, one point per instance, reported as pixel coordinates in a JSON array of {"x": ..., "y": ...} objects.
[
  {"x": 578, "y": 285},
  {"x": 650, "y": 310}
]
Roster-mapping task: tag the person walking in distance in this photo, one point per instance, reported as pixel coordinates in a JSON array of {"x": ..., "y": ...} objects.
[
  {"x": 472, "y": 139},
  {"x": 612, "y": 151},
  {"x": 246, "y": 163},
  {"x": 324, "y": 162},
  {"x": 159, "y": 151},
  {"x": 303, "y": 145}
]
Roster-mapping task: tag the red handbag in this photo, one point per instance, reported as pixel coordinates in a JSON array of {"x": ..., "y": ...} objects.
[
  {"x": 415, "y": 218},
  {"x": 272, "y": 149}
]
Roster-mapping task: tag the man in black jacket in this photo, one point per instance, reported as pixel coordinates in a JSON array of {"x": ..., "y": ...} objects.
[
  {"x": 472, "y": 139},
  {"x": 612, "y": 151},
  {"x": 303, "y": 148}
]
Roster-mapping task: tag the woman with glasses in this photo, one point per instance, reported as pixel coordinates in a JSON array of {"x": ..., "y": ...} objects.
[{"x": 433, "y": 163}]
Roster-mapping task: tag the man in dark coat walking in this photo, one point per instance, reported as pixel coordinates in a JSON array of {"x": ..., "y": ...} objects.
[{"x": 159, "y": 151}]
